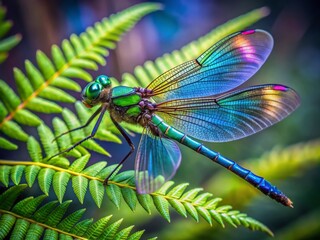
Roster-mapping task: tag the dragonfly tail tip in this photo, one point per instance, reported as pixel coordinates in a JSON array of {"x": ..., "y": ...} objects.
[{"x": 289, "y": 203}]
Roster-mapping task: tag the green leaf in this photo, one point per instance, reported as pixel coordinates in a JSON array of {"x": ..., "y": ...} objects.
[
  {"x": 79, "y": 164},
  {"x": 123, "y": 234},
  {"x": 34, "y": 149},
  {"x": 84, "y": 63},
  {"x": 53, "y": 93},
  {"x": 43, "y": 212},
  {"x": 24, "y": 87},
  {"x": 162, "y": 206},
  {"x": 45, "y": 65},
  {"x": 145, "y": 201},
  {"x": 81, "y": 227},
  {"x": 4, "y": 175},
  {"x": 63, "y": 141},
  {"x": 8, "y": 96},
  {"x": 56, "y": 215},
  {"x": 42, "y": 105},
  {"x": 130, "y": 197},
  {"x": 10, "y": 42},
  {"x": 191, "y": 194},
  {"x": 178, "y": 190},
  {"x": 46, "y": 137},
  {"x": 201, "y": 199},
  {"x": 136, "y": 235},
  {"x": 34, "y": 75},
  {"x": 178, "y": 206},
  {"x": 45, "y": 179},
  {"x": 6, "y": 144},
  {"x": 6, "y": 222},
  {"x": 191, "y": 210},
  {"x": 114, "y": 194},
  {"x": 58, "y": 57},
  {"x": 68, "y": 50},
  {"x": 67, "y": 223},
  {"x": 31, "y": 173},
  {"x": 28, "y": 208},
  {"x": 5, "y": 27},
  {"x": 8, "y": 198},
  {"x": 20, "y": 229},
  {"x": 13, "y": 130},
  {"x": 74, "y": 72},
  {"x": 77, "y": 44},
  {"x": 67, "y": 83},
  {"x": 60, "y": 182},
  {"x": 165, "y": 187},
  {"x": 27, "y": 118},
  {"x": 80, "y": 185},
  {"x": 92, "y": 145},
  {"x": 3, "y": 111},
  {"x": 94, "y": 169},
  {"x": 96, "y": 189},
  {"x": 35, "y": 231},
  {"x": 16, "y": 173},
  {"x": 111, "y": 230},
  {"x": 96, "y": 229}
]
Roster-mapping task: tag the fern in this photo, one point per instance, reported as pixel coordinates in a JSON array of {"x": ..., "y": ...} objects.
[
  {"x": 27, "y": 220},
  {"x": 58, "y": 173},
  {"x": 6, "y": 44},
  {"x": 41, "y": 87}
]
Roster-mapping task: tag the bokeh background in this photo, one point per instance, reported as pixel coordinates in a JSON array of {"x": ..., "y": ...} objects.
[{"x": 295, "y": 61}]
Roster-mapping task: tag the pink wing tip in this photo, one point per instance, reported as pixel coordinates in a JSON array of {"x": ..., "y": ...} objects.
[
  {"x": 280, "y": 88},
  {"x": 247, "y": 32}
]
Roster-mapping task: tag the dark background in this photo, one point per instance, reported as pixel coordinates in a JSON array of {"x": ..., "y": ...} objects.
[{"x": 295, "y": 61}]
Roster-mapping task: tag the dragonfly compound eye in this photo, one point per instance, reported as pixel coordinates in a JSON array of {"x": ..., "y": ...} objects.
[
  {"x": 92, "y": 91},
  {"x": 103, "y": 80}
]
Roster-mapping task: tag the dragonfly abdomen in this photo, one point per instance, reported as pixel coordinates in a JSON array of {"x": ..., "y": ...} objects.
[{"x": 259, "y": 182}]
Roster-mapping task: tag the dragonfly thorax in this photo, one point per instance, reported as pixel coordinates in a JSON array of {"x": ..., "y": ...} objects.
[{"x": 128, "y": 104}]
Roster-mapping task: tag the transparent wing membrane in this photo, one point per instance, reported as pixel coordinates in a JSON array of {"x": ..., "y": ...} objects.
[
  {"x": 230, "y": 116},
  {"x": 224, "y": 66},
  {"x": 157, "y": 160}
]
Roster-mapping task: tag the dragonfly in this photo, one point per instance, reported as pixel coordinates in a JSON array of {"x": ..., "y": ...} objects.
[{"x": 198, "y": 99}]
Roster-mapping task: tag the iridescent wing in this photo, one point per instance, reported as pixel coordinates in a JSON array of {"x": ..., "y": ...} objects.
[
  {"x": 224, "y": 66},
  {"x": 157, "y": 161},
  {"x": 230, "y": 116}
]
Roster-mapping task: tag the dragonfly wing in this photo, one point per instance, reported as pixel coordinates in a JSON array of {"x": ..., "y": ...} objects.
[
  {"x": 230, "y": 116},
  {"x": 157, "y": 161},
  {"x": 224, "y": 66}
]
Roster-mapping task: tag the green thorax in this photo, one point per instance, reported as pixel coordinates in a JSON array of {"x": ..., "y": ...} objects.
[{"x": 126, "y": 98}]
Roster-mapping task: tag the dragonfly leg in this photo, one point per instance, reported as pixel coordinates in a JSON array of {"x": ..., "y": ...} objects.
[
  {"x": 126, "y": 137},
  {"x": 83, "y": 126},
  {"x": 102, "y": 110}
]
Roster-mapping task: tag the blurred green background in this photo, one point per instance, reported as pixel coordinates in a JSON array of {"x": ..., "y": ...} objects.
[{"x": 295, "y": 61}]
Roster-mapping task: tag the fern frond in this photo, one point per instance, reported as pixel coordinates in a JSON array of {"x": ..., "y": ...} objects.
[
  {"x": 277, "y": 164},
  {"x": 193, "y": 202},
  {"x": 41, "y": 87},
  {"x": 27, "y": 220},
  {"x": 69, "y": 121},
  {"x": 6, "y": 44},
  {"x": 144, "y": 74}
]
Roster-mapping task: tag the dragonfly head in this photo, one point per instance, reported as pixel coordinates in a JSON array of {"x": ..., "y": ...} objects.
[{"x": 91, "y": 94}]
